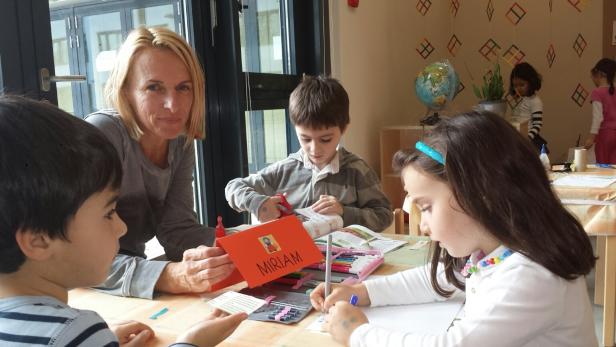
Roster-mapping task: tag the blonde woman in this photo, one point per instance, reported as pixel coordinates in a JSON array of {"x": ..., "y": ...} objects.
[{"x": 156, "y": 95}]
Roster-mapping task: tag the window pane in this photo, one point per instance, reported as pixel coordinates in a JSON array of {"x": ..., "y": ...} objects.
[
  {"x": 266, "y": 138},
  {"x": 275, "y": 135},
  {"x": 61, "y": 64},
  {"x": 261, "y": 38},
  {"x": 156, "y": 16},
  {"x": 103, "y": 37}
]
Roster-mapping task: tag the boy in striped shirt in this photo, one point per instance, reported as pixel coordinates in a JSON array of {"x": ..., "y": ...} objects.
[{"x": 60, "y": 179}]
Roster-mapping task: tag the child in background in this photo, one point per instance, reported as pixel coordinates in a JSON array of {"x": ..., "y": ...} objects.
[
  {"x": 516, "y": 252},
  {"x": 603, "y": 128},
  {"x": 59, "y": 230},
  {"x": 322, "y": 174},
  {"x": 524, "y": 82}
]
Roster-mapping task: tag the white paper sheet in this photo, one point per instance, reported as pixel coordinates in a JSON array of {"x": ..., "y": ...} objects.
[
  {"x": 586, "y": 181},
  {"x": 433, "y": 318}
]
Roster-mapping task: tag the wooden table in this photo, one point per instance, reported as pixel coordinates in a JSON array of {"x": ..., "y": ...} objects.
[
  {"x": 595, "y": 208},
  {"x": 186, "y": 310}
]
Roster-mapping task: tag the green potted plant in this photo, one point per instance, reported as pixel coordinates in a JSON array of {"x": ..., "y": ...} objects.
[{"x": 491, "y": 92}]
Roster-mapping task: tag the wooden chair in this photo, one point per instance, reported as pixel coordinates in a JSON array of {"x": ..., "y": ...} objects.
[
  {"x": 414, "y": 218},
  {"x": 399, "y": 221}
]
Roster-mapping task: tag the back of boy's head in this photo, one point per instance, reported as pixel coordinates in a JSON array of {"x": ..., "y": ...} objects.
[
  {"x": 526, "y": 72},
  {"x": 497, "y": 178},
  {"x": 319, "y": 102},
  {"x": 50, "y": 163},
  {"x": 607, "y": 67}
]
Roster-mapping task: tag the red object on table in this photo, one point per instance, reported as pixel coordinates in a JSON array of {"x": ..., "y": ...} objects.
[
  {"x": 220, "y": 229},
  {"x": 286, "y": 208},
  {"x": 353, "y": 3}
]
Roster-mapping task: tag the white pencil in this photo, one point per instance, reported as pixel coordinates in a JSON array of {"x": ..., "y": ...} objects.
[{"x": 328, "y": 265}]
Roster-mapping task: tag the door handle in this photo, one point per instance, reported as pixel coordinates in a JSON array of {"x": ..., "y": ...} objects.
[{"x": 47, "y": 79}]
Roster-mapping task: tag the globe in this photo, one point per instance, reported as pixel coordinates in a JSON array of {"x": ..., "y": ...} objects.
[{"x": 436, "y": 84}]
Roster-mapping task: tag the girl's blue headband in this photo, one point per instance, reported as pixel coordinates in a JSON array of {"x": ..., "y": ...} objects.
[{"x": 430, "y": 152}]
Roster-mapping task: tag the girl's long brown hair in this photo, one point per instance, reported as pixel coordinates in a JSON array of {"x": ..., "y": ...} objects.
[{"x": 497, "y": 179}]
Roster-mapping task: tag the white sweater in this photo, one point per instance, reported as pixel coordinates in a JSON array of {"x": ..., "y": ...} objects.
[{"x": 514, "y": 303}]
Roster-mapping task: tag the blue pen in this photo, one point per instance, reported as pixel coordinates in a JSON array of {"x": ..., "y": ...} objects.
[{"x": 353, "y": 300}]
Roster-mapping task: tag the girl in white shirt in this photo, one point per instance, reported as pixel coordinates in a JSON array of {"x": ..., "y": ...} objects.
[
  {"x": 525, "y": 82},
  {"x": 499, "y": 234}
]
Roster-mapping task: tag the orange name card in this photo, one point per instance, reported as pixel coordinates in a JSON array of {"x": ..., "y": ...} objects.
[{"x": 269, "y": 251}]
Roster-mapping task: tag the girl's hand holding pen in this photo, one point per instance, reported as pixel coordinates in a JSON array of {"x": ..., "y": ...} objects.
[
  {"x": 343, "y": 319},
  {"x": 340, "y": 292}
]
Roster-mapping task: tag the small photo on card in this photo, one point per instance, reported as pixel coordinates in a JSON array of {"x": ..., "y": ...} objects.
[
  {"x": 269, "y": 243},
  {"x": 234, "y": 302}
]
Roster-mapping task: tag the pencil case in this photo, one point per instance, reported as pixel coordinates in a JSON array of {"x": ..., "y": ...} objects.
[{"x": 359, "y": 263}]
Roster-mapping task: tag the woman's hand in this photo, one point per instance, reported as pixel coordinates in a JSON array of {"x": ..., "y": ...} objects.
[
  {"x": 199, "y": 269},
  {"x": 213, "y": 329},
  {"x": 132, "y": 333},
  {"x": 328, "y": 204},
  {"x": 590, "y": 141},
  {"x": 342, "y": 320},
  {"x": 340, "y": 292},
  {"x": 269, "y": 209}
]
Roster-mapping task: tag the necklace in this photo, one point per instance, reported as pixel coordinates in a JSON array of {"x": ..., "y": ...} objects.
[{"x": 470, "y": 269}]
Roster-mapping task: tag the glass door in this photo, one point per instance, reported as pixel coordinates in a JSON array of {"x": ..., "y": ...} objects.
[
  {"x": 101, "y": 38},
  {"x": 25, "y": 48},
  {"x": 61, "y": 57}
]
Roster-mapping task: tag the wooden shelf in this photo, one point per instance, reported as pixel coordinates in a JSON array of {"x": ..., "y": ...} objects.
[{"x": 392, "y": 139}]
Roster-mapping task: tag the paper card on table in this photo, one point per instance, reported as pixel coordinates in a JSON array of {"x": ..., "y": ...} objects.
[
  {"x": 268, "y": 251},
  {"x": 317, "y": 325},
  {"x": 586, "y": 181},
  {"x": 419, "y": 244},
  {"x": 233, "y": 302}
]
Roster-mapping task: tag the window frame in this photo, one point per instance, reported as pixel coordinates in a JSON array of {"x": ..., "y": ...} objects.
[{"x": 215, "y": 26}]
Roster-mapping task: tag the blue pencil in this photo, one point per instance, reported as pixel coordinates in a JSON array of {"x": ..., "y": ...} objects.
[{"x": 159, "y": 313}]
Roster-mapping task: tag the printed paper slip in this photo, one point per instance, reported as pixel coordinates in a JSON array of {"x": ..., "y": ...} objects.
[{"x": 233, "y": 302}]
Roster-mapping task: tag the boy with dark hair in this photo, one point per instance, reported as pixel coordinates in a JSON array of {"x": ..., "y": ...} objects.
[
  {"x": 60, "y": 179},
  {"x": 322, "y": 174}
]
